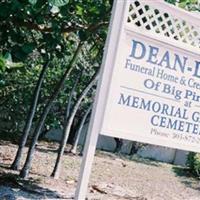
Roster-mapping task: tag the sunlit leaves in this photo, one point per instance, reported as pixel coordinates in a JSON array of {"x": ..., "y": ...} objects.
[
  {"x": 33, "y": 2},
  {"x": 29, "y": 31},
  {"x": 2, "y": 63},
  {"x": 190, "y": 5},
  {"x": 7, "y": 63},
  {"x": 58, "y": 3}
]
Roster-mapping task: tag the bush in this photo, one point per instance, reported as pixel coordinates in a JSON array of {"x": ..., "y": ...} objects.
[{"x": 193, "y": 162}]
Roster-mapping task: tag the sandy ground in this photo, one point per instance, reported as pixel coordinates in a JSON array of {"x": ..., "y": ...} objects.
[{"x": 113, "y": 177}]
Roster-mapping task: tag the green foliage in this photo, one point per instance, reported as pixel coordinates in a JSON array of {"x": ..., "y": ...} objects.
[
  {"x": 31, "y": 31},
  {"x": 29, "y": 28},
  {"x": 171, "y": 1},
  {"x": 193, "y": 162},
  {"x": 33, "y": 2},
  {"x": 7, "y": 63},
  {"x": 59, "y": 3},
  {"x": 2, "y": 64},
  {"x": 190, "y": 5}
]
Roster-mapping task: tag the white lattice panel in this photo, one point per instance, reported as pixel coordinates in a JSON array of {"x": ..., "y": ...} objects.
[{"x": 148, "y": 18}]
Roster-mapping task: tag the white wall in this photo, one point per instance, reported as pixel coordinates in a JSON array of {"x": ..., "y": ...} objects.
[{"x": 150, "y": 151}]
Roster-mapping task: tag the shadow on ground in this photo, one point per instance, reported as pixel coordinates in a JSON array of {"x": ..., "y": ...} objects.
[
  {"x": 134, "y": 158},
  {"x": 186, "y": 177},
  {"x": 10, "y": 184},
  {"x": 145, "y": 161},
  {"x": 46, "y": 150}
]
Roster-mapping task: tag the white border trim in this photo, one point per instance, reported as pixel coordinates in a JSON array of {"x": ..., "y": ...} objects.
[{"x": 160, "y": 38}]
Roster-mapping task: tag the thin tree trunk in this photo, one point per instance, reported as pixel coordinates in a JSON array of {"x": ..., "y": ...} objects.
[
  {"x": 134, "y": 148},
  {"x": 67, "y": 126},
  {"x": 16, "y": 163},
  {"x": 25, "y": 171},
  {"x": 43, "y": 134},
  {"x": 119, "y": 143},
  {"x": 84, "y": 139},
  {"x": 75, "y": 145},
  {"x": 69, "y": 103}
]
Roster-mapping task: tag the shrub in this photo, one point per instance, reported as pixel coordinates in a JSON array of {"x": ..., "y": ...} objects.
[{"x": 193, "y": 162}]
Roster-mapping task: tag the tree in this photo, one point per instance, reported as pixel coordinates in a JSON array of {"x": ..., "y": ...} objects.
[
  {"x": 24, "y": 172},
  {"x": 32, "y": 29},
  {"x": 119, "y": 143},
  {"x": 68, "y": 124},
  {"x": 80, "y": 129},
  {"x": 29, "y": 119}
]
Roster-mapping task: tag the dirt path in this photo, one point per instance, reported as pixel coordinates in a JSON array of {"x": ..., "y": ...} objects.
[{"x": 113, "y": 178}]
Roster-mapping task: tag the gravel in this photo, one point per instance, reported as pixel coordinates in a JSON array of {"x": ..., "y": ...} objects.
[{"x": 113, "y": 177}]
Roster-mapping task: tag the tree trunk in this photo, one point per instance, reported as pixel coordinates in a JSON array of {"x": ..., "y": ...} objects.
[
  {"x": 43, "y": 134},
  {"x": 84, "y": 139},
  {"x": 74, "y": 147},
  {"x": 119, "y": 143},
  {"x": 67, "y": 126},
  {"x": 69, "y": 103},
  {"x": 16, "y": 163},
  {"x": 25, "y": 171},
  {"x": 134, "y": 148}
]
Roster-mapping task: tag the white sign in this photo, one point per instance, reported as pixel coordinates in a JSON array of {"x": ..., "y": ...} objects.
[
  {"x": 149, "y": 89},
  {"x": 154, "y": 95}
]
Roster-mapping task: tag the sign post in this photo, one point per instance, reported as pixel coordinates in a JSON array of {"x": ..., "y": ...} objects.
[
  {"x": 117, "y": 18},
  {"x": 149, "y": 85}
]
